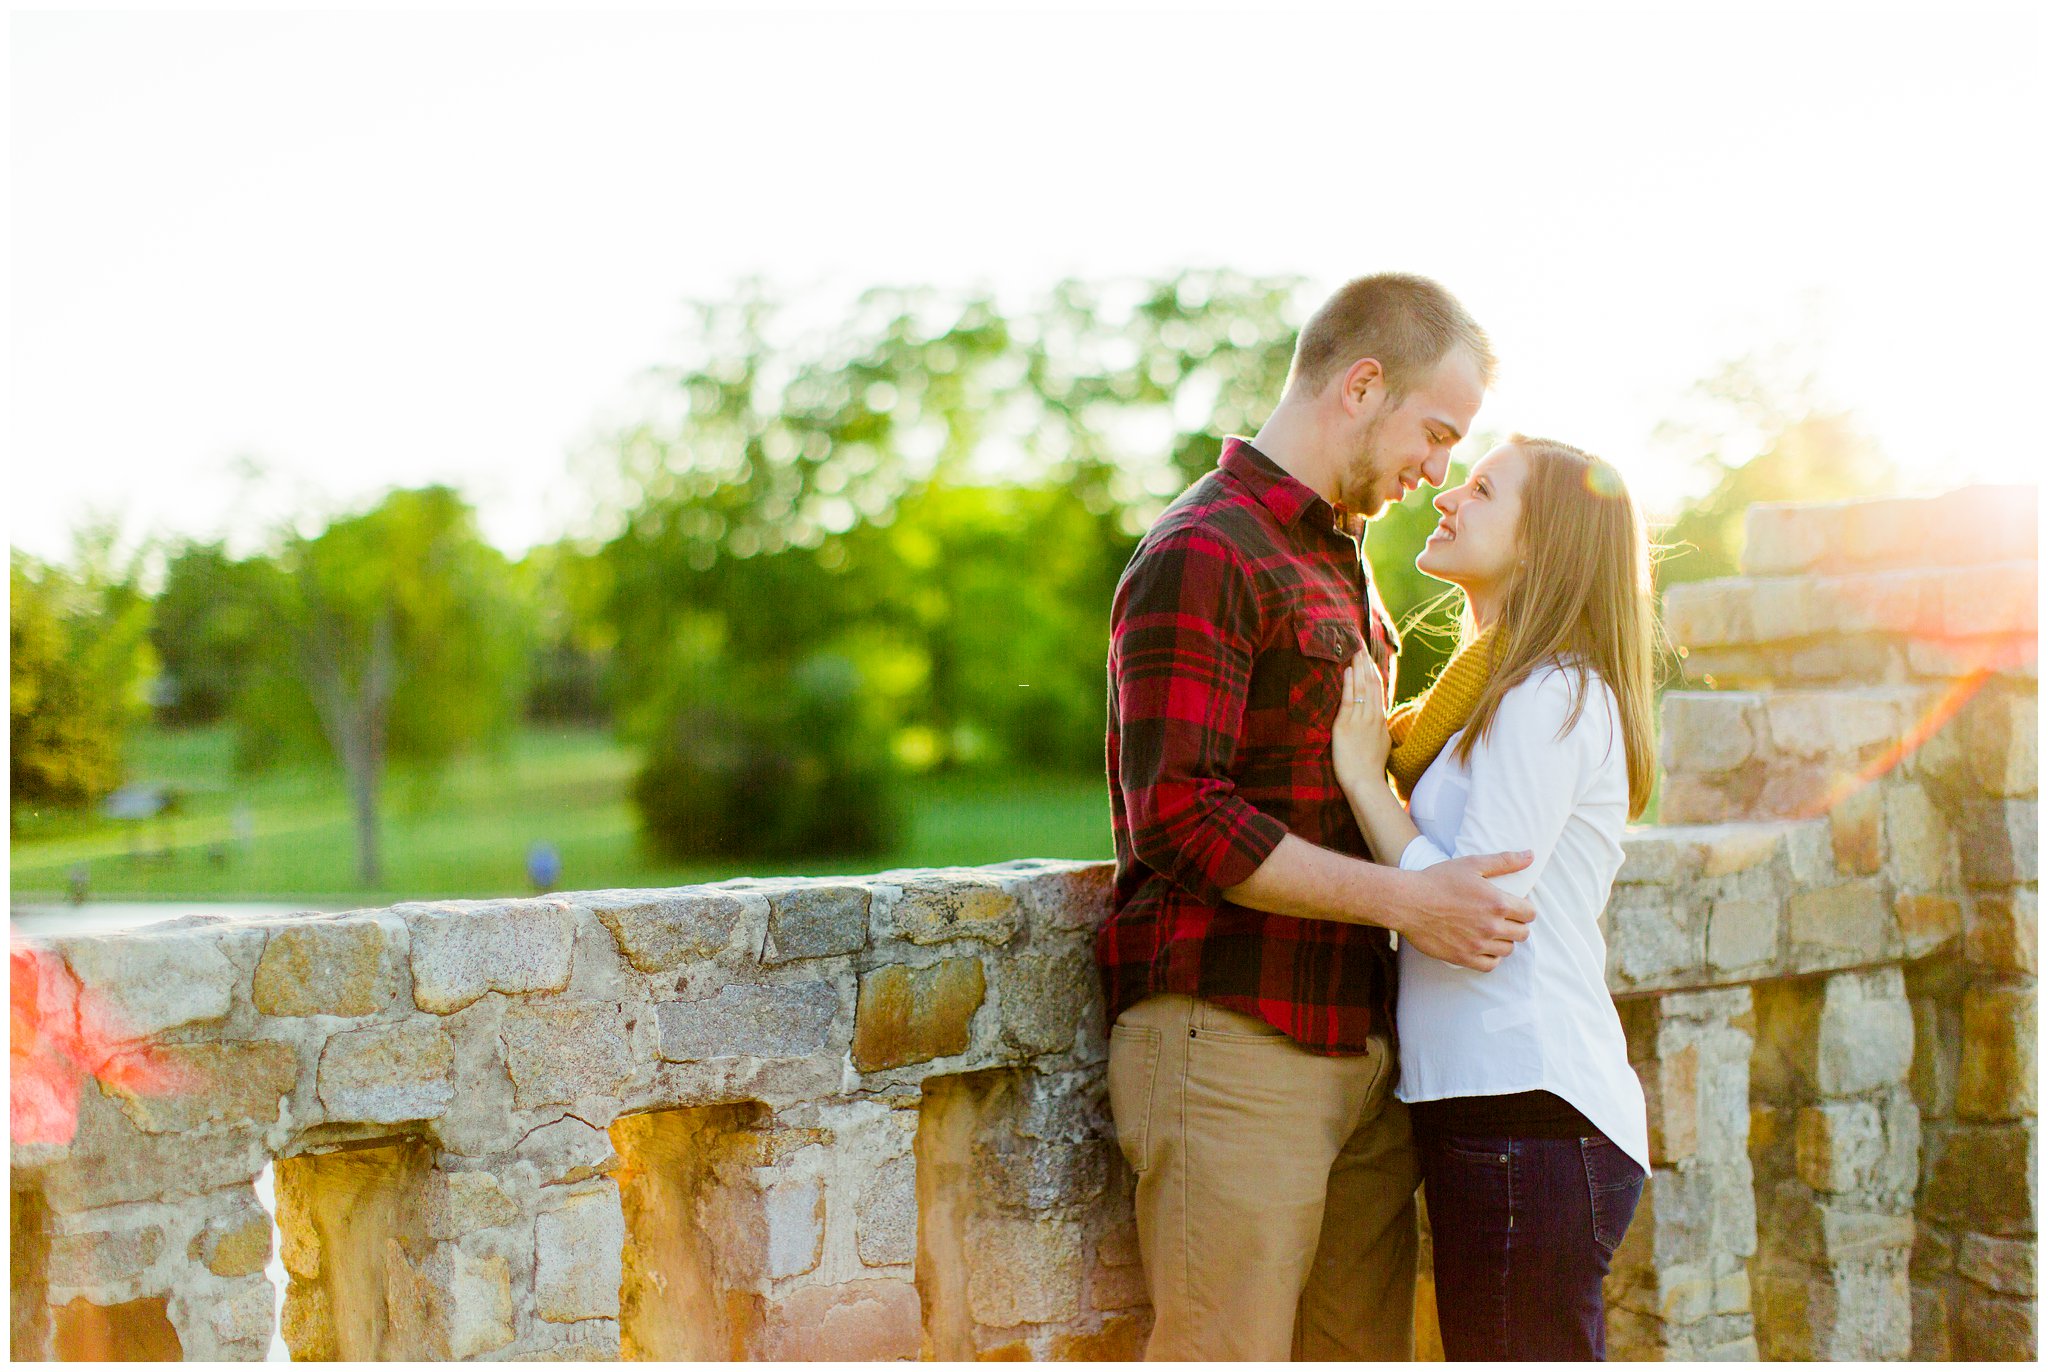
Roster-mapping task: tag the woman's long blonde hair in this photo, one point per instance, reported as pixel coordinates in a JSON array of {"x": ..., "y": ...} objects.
[{"x": 1580, "y": 592}]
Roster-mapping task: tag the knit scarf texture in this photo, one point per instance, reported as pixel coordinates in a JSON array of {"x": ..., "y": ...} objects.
[{"x": 1421, "y": 727}]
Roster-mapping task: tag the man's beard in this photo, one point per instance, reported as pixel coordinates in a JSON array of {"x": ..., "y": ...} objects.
[{"x": 1366, "y": 499}]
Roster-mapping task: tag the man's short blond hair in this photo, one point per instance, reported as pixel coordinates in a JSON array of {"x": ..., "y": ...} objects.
[{"x": 1405, "y": 323}]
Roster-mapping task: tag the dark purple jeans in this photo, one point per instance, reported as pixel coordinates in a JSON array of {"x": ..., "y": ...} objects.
[{"x": 1523, "y": 1231}]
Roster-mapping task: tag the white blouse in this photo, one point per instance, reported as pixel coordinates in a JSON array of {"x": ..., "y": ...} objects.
[{"x": 1542, "y": 1019}]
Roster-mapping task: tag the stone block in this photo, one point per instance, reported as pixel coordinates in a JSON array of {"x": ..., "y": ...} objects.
[
  {"x": 1995, "y": 600},
  {"x": 557, "y": 1053},
  {"x": 478, "y": 1318},
  {"x": 941, "y": 909},
  {"x": 1999, "y": 843},
  {"x": 885, "y": 1216},
  {"x": 1927, "y": 923},
  {"x": 1991, "y": 1328},
  {"x": 1931, "y": 1341},
  {"x": 462, "y": 950},
  {"x": 239, "y": 1319},
  {"x": 914, "y": 1014},
  {"x": 1780, "y": 539},
  {"x": 657, "y": 931},
  {"x": 2001, "y": 930},
  {"x": 1066, "y": 896},
  {"x": 1024, "y": 1270},
  {"x": 89, "y": 1258},
  {"x": 1710, "y": 731},
  {"x": 128, "y": 1331},
  {"x": 1832, "y": 723},
  {"x": 1653, "y": 937},
  {"x": 578, "y": 1265},
  {"x": 326, "y": 967},
  {"x": 2001, "y": 731},
  {"x": 1856, "y": 825},
  {"x": 1660, "y": 857},
  {"x": 2002, "y": 1265},
  {"x": 1839, "y": 1146},
  {"x": 235, "y": 1245},
  {"x": 569, "y": 1150},
  {"x": 388, "y": 1073},
  {"x": 1865, "y": 1033},
  {"x": 749, "y": 1021},
  {"x": 1916, "y": 840},
  {"x": 793, "y": 1218},
  {"x": 174, "y": 1088},
  {"x": 816, "y": 921},
  {"x": 1707, "y": 614},
  {"x": 1742, "y": 933},
  {"x": 1118, "y": 1340},
  {"x": 306, "y": 1324},
  {"x": 1837, "y": 924},
  {"x": 461, "y": 1203},
  {"x": 1980, "y": 1179},
  {"x": 857, "y": 1321},
  {"x": 1937, "y": 1055},
  {"x": 1043, "y": 997},
  {"x": 1671, "y": 1091},
  {"x": 1999, "y": 1060},
  {"x": 138, "y": 985}
]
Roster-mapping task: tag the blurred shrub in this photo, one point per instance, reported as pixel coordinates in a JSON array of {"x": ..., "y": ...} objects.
[{"x": 756, "y": 768}]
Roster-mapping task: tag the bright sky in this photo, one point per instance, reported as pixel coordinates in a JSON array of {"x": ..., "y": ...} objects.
[{"x": 387, "y": 248}]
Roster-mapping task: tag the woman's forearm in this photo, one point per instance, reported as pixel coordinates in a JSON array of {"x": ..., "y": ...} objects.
[{"x": 1381, "y": 818}]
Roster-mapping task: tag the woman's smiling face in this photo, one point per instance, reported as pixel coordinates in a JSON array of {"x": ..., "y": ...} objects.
[{"x": 1477, "y": 539}]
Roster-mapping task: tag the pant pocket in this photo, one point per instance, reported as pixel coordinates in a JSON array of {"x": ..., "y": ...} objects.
[
  {"x": 1614, "y": 1187},
  {"x": 1133, "y": 1072}
]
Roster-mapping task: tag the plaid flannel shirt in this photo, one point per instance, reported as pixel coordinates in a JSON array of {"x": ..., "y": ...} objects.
[{"x": 1229, "y": 636}]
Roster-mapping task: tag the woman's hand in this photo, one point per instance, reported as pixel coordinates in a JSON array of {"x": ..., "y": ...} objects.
[{"x": 1359, "y": 742}]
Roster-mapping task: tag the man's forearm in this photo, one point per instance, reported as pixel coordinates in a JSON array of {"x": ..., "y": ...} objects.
[{"x": 1301, "y": 879}]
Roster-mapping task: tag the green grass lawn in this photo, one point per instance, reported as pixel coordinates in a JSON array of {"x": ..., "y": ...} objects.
[{"x": 468, "y": 834}]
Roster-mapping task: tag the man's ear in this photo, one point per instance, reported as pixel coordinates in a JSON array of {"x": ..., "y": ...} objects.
[{"x": 1363, "y": 385}]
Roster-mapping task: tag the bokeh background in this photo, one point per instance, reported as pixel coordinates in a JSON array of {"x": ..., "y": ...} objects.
[{"x": 459, "y": 454}]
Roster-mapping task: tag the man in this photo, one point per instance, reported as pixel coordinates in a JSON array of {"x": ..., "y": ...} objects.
[{"x": 1247, "y": 961}]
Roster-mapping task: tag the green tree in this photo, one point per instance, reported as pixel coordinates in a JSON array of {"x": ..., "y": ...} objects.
[
  {"x": 399, "y": 632},
  {"x": 207, "y": 626},
  {"x": 79, "y": 666}
]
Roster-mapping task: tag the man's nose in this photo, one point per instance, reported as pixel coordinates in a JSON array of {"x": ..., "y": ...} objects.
[{"x": 1436, "y": 467}]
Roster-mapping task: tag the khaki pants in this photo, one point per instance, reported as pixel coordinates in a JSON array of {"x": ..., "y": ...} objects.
[{"x": 1276, "y": 1188}]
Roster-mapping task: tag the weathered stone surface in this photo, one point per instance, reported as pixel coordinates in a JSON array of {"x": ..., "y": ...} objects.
[
  {"x": 857, "y": 1321},
  {"x": 749, "y": 1021},
  {"x": 569, "y": 1150},
  {"x": 240, "y": 1319},
  {"x": 915, "y": 1014},
  {"x": 388, "y": 1073},
  {"x": 2001, "y": 736},
  {"x": 306, "y": 1324},
  {"x": 794, "y": 1216},
  {"x": 1710, "y": 731},
  {"x": 814, "y": 921},
  {"x": 140, "y": 985},
  {"x": 1993, "y": 1328},
  {"x": 235, "y": 1246},
  {"x": 1652, "y": 938},
  {"x": 1661, "y": 857},
  {"x": 656, "y": 931},
  {"x": 2001, "y": 931},
  {"x": 1927, "y": 922},
  {"x": 462, "y": 951},
  {"x": 1999, "y": 1062},
  {"x": 130, "y": 1331},
  {"x": 1118, "y": 1288},
  {"x": 1024, "y": 1270},
  {"x": 2002, "y": 1265},
  {"x": 1980, "y": 1179},
  {"x": 1044, "y": 996},
  {"x": 954, "y": 907},
  {"x": 461, "y": 1203},
  {"x": 559, "y": 1052},
  {"x": 177, "y": 1087},
  {"x": 1866, "y": 1033},
  {"x": 2000, "y": 843},
  {"x": 1856, "y": 824},
  {"x": 326, "y": 967},
  {"x": 1840, "y": 1147},
  {"x": 885, "y": 1217},
  {"x": 479, "y": 1313},
  {"x": 1931, "y": 1341},
  {"x": 1118, "y": 1340},
  {"x": 1916, "y": 840},
  {"x": 1937, "y": 1056},
  {"x": 579, "y": 1266},
  {"x": 103, "y": 1257},
  {"x": 1836, "y": 923},
  {"x": 1742, "y": 933}
]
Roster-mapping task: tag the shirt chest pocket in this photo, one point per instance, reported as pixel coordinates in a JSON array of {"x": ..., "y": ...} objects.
[{"x": 1323, "y": 648}]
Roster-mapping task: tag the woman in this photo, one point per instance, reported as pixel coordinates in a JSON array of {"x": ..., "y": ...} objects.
[{"x": 1529, "y": 1122}]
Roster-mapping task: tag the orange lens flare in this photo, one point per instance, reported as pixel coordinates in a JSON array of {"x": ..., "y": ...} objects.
[{"x": 59, "y": 1034}]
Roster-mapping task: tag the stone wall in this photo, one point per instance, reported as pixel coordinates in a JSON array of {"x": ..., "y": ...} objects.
[{"x": 864, "y": 1118}]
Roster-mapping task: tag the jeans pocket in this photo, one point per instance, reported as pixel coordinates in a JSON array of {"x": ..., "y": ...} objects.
[
  {"x": 1614, "y": 1187},
  {"x": 1133, "y": 1072}
]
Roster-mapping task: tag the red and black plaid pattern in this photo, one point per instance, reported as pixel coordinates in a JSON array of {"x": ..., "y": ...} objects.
[{"x": 1229, "y": 636}]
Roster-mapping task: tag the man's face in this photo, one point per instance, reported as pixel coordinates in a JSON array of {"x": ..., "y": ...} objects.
[{"x": 1408, "y": 442}]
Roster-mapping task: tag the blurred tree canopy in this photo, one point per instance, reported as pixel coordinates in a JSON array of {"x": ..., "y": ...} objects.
[{"x": 79, "y": 663}]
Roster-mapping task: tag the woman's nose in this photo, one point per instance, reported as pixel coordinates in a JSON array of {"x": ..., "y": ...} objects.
[{"x": 1445, "y": 502}]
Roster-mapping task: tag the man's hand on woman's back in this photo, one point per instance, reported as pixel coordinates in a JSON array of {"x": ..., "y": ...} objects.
[{"x": 1462, "y": 918}]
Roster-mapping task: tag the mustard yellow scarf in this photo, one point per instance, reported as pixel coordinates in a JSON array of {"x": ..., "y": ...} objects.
[{"x": 1421, "y": 727}]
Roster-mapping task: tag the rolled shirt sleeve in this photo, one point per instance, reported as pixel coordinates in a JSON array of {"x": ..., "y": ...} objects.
[{"x": 1185, "y": 630}]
